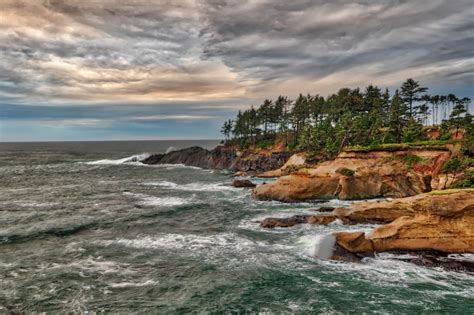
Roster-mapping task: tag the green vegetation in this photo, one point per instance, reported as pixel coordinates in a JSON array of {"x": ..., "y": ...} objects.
[
  {"x": 452, "y": 166},
  {"x": 353, "y": 119},
  {"x": 411, "y": 159},
  {"x": 467, "y": 182},
  {"x": 449, "y": 191},
  {"x": 347, "y": 172},
  {"x": 460, "y": 165},
  {"x": 425, "y": 144}
]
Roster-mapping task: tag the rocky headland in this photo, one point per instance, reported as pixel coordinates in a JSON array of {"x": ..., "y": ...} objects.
[{"x": 229, "y": 158}]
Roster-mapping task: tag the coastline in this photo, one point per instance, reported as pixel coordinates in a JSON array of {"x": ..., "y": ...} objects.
[{"x": 412, "y": 193}]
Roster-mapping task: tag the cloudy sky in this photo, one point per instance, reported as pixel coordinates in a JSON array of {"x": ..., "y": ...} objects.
[{"x": 155, "y": 69}]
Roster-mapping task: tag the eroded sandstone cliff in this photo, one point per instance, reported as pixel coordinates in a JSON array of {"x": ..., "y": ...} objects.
[{"x": 360, "y": 175}]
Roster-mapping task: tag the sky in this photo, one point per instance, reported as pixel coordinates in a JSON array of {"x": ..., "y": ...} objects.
[{"x": 150, "y": 69}]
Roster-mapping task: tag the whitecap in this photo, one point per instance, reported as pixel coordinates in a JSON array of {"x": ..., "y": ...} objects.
[
  {"x": 162, "y": 183},
  {"x": 193, "y": 186},
  {"x": 173, "y": 166},
  {"x": 229, "y": 249},
  {"x": 148, "y": 200},
  {"x": 133, "y": 284},
  {"x": 163, "y": 201},
  {"x": 134, "y": 159}
]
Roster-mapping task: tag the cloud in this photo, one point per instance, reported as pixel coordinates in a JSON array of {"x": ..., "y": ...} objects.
[
  {"x": 313, "y": 42},
  {"x": 225, "y": 53}
]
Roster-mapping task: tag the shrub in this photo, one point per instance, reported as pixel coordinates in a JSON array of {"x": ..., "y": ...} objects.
[
  {"x": 445, "y": 136},
  {"x": 262, "y": 144},
  {"x": 452, "y": 166},
  {"x": 347, "y": 172},
  {"x": 467, "y": 182},
  {"x": 411, "y": 159}
]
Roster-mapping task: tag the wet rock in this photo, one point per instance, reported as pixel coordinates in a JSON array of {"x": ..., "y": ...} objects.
[
  {"x": 325, "y": 209},
  {"x": 436, "y": 261},
  {"x": 284, "y": 222},
  {"x": 297, "y": 219},
  {"x": 243, "y": 183}
]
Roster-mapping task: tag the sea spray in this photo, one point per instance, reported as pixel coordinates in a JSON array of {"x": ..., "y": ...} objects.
[
  {"x": 170, "y": 149},
  {"x": 320, "y": 246}
]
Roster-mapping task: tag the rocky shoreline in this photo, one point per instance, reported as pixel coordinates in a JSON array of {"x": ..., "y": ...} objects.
[
  {"x": 436, "y": 224},
  {"x": 422, "y": 221},
  {"x": 223, "y": 158}
]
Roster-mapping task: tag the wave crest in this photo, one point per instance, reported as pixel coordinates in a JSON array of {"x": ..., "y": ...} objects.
[{"x": 134, "y": 159}]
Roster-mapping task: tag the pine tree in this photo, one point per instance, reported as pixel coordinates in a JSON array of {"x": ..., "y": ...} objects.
[
  {"x": 398, "y": 117},
  {"x": 410, "y": 92}
]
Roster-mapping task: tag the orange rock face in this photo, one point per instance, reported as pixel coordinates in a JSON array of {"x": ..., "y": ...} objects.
[
  {"x": 357, "y": 176},
  {"x": 443, "y": 223}
]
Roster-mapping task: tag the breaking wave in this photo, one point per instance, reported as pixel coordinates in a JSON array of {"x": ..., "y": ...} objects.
[
  {"x": 192, "y": 186},
  {"x": 134, "y": 159},
  {"x": 319, "y": 246}
]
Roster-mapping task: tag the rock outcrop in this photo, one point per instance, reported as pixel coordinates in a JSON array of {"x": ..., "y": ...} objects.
[
  {"x": 428, "y": 226},
  {"x": 359, "y": 175},
  {"x": 438, "y": 221},
  {"x": 243, "y": 183},
  {"x": 387, "y": 211},
  {"x": 222, "y": 158},
  {"x": 295, "y": 161}
]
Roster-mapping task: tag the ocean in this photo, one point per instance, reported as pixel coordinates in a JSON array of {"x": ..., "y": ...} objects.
[{"x": 85, "y": 227}]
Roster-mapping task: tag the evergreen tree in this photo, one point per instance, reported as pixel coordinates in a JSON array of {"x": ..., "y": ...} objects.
[
  {"x": 398, "y": 117},
  {"x": 410, "y": 92}
]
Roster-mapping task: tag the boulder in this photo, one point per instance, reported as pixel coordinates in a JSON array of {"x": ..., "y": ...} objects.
[
  {"x": 243, "y": 183},
  {"x": 284, "y": 222}
]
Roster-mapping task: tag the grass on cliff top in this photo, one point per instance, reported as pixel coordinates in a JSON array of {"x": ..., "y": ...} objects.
[
  {"x": 450, "y": 191},
  {"x": 428, "y": 145}
]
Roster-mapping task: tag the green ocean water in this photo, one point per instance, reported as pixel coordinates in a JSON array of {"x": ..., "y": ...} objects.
[{"x": 85, "y": 228}]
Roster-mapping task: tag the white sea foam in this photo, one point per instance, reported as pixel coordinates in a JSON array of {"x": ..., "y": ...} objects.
[
  {"x": 189, "y": 242},
  {"x": 162, "y": 183},
  {"x": 174, "y": 166},
  {"x": 148, "y": 200},
  {"x": 229, "y": 249},
  {"x": 94, "y": 264},
  {"x": 193, "y": 186},
  {"x": 164, "y": 201},
  {"x": 36, "y": 204},
  {"x": 133, "y": 284},
  {"x": 134, "y": 159}
]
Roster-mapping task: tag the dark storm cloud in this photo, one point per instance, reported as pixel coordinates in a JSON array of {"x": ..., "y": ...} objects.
[
  {"x": 73, "y": 51},
  {"x": 315, "y": 39}
]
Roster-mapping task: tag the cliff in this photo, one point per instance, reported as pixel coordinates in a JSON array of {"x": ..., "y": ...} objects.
[
  {"x": 230, "y": 158},
  {"x": 361, "y": 175}
]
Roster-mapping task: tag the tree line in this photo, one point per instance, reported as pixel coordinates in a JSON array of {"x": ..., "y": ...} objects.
[{"x": 349, "y": 117}]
